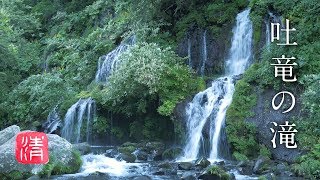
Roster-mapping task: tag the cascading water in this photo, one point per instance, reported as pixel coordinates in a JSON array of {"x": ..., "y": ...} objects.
[
  {"x": 108, "y": 63},
  {"x": 204, "y": 52},
  {"x": 189, "y": 53},
  {"x": 272, "y": 18},
  {"x": 52, "y": 123},
  {"x": 73, "y": 121},
  {"x": 212, "y": 103}
]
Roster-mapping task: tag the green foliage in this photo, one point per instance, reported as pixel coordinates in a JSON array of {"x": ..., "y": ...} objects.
[
  {"x": 308, "y": 165},
  {"x": 241, "y": 134},
  {"x": 239, "y": 157},
  {"x": 218, "y": 171},
  {"x": 264, "y": 151},
  {"x": 147, "y": 73},
  {"x": 15, "y": 175},
  {"x": 35, "y": 97}
]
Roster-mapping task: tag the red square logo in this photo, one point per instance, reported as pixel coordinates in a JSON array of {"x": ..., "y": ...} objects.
[{"x": 32, "y": 148}]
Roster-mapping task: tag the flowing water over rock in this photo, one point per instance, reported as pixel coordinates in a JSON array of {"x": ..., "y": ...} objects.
[
  {"x": 108, "y": 63},
  {"x": 83, "y": 110},
  {"x": 52, "y": 123},
  {"x": 211, "y": 104},
  {"x": 272, "y": 18}
]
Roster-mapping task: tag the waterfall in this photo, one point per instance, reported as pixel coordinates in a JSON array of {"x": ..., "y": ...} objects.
[
  {"x": 108, "y": 63},
  {"x": 73, "y": 121},
  {"x": 204, "y": 52},
  {"x": 212, "y": 103},
  {"x": 189, "y": 53},
  {"x": 52, "y": 123},
  {"x": 272, "y": 18}
]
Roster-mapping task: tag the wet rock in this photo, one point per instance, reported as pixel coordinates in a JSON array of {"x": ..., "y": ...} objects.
[
  {"x": 7, "y": 133},
  {"x": 269, "y": 176},
  {"x": 165, "y": 165},
  {"x": 172, "y": 153},
  {"x": 129, "y": 158},
  {"x": 280, "y": 168},
  {"x": 185, "y": 165},
  {"x": 141, "y": 155},
  {"x": 142, "y": 178},
  {"x": 214, "y": 173},
  {"x": 260, "y": 165},
  {"x": 188, "y": 176},
  {"x": 165, "y": 171},
  {"x": 202, "y": 162},
  {"x": 83, "y": 148},
  {"x": 128, "y": 148},
  {"x": 156, "y": 149},
  {"x": 112, "y": 153},
  {"x": 245, "y": 167}
]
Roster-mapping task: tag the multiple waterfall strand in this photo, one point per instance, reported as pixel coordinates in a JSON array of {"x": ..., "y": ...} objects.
[
  {"x": 212, "y": 103},
  {"x": 82, "y": 110},
  {"x": 108, "y": 63}
]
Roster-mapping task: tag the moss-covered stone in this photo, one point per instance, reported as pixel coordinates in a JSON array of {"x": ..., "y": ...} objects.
[{"x": 54, "y": 167}]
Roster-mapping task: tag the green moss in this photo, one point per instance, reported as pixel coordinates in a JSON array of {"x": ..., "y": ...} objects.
[
  {"x": 15, "y": 175},
  {"x": 218, "y": 171},
  {"x": 240, "y": 157},
  {"x": 264, "y": 151},
  {"x": 127, "y": 149},
  {"x": 241, "y": 134},
  {"x": 53, "y": 167}
]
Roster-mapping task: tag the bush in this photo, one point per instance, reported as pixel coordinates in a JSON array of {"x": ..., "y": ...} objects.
[
  {"x": 149, "y": 75},
  {"x": 35, "y": 97}
]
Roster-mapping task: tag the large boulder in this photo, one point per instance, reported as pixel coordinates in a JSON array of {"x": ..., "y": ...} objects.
[
  {"x": 83, "y": 148},
  {"x": 62, "y": 156},
  {"x": 8, "y": 133},
  {"x": 185, "y": 166}
]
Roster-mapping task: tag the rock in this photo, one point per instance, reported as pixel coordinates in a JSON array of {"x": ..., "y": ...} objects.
[
  {"x": 214, "y": 173},
  {"x": 185, "y": 165},
  {"x": 155, "y": 149},
  {"x": 203, "y": 162},
  {"x": 193, "y": 42},
  {"x": 112, "y": 153},
  {"x": 129, "y": 158},
  {"x": 164, "y": 171},
  {"x": 83, "y": 148},
  {"x": 245, "y": 167},
  {"x": 260, "y": 165},
  {"x": 280, "y": 168},
  {"x": 188, "y": 176},
  {"x": 142, "y": 178},
  {"x": 269, "y": 176},
  {"x": 142, "y": 155},
  {"x": 263, "y": 117},
  {"x": 60, "y": 150},
  {"x": 165, "y": 165},
  {"x": 171, "y": 154},
  {"x": 8, "y": 133},
  {"x": 127, "y": 148}
]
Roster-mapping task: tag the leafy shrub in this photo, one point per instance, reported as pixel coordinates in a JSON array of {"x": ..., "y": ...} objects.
[{"x": 35, "y": 97}]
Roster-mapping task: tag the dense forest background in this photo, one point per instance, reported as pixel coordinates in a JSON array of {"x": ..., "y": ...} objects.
[{"x": 49, "y": 52}]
